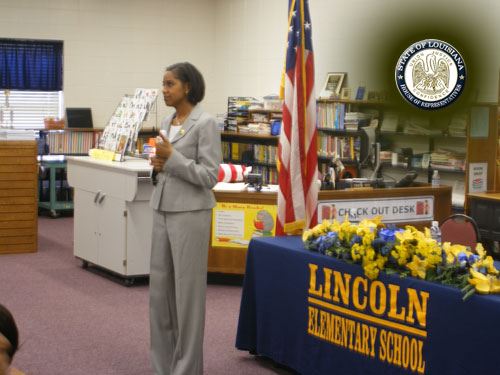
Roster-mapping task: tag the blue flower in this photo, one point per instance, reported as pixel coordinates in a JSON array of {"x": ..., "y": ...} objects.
[
  {"x": 389, "y": 234},
  {"x": 393, "y": 260},
  {"x": 462, "y": 256},
  {"x": 317, "y": 243},
  {"x": 332, "y": 235},
  {"x": 385, "y": 250},
  {"x": 378, "y": 242},
  {"x": 473, "y": 258},
  {"x": 356, "y": 239}
]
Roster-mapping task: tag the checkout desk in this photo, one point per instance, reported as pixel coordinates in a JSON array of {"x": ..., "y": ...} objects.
[{"x": 372, "y": 202}]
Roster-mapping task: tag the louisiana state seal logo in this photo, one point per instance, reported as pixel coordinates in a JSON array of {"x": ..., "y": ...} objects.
[{"x": 430, "y": 74}]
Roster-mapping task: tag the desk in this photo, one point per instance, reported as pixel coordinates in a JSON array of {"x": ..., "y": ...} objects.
[
  {"x": 291, "y": 315},
  {"x": 232, "y": 260}
]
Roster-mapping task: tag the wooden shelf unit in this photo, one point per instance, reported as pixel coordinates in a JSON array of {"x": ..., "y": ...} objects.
[{"x": 18, "y": 196}]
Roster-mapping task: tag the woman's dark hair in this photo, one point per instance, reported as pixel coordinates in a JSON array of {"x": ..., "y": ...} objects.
[
  {"x": 187, "y": 73},
  {"x": 8, "y": 328}
]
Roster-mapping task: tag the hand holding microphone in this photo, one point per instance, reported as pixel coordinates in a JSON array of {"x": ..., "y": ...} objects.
[{"x": 163, "y": 150}]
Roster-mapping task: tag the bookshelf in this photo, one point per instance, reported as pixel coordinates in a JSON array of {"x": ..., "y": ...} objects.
[
  {"x": 448, "y": 148},
  {"x": 256, "y": 150},
  {"x": 337, "y": 123},
  {"x": 75, "y": 141}
]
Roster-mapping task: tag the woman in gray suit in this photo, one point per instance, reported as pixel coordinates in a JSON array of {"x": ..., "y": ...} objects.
[{"x": 185, "y": 168}]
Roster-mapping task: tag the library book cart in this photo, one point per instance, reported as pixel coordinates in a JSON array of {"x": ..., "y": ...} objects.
[{"x": 112, "y": 217}]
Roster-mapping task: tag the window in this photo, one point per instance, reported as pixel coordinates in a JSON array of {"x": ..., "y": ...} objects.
[
  {"x": 33, "y": 72},
  {"x": 32, "y": 107}
]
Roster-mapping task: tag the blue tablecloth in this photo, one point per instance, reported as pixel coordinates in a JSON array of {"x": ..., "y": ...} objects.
[{"x": 319, "y": 315}]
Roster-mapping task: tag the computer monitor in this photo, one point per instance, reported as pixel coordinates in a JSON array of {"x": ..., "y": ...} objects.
[
  {"x": 366, "y": 140},
  {"x": 79, "y": 118},
  {"x": 369, "y": 150}
]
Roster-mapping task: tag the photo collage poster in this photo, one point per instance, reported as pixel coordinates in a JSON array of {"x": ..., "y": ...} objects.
[{"x": 121, "y": 133}]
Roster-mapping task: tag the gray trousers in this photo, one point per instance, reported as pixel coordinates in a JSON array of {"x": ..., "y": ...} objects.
[{"x": 177, "y": 290}]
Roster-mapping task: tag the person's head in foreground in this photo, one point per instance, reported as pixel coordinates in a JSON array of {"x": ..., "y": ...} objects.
[{"x": 9, "y": 339}]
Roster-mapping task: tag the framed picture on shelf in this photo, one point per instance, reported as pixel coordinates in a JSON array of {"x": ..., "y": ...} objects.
[
  {"x": 333, "y": 83},
  {"x": 345, "y": 93},
  {"x": 360, "y": 94}
]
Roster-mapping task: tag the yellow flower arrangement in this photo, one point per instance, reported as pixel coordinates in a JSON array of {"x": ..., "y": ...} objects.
[{"x": 377, "y": 247}]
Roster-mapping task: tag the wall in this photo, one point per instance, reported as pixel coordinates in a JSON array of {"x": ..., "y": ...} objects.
[
  {"x": 361, "y": 37},
  {"x": 114, "y": 46}
]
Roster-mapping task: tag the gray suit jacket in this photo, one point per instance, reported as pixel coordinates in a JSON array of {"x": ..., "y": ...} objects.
[{"x": 191, "y": 171}]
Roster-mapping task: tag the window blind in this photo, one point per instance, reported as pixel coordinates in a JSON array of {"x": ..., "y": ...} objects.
[{"x": 32, "y": 107}]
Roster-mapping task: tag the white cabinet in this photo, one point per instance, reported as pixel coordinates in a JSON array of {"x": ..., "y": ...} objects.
[{"x": 112, "y": 218}]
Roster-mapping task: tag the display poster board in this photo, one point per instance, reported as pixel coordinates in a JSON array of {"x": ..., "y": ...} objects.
[
  {"x": 392, "y": 210},
  {"x": 234, "y": 224},
  {"x": 478, "y": 177}
]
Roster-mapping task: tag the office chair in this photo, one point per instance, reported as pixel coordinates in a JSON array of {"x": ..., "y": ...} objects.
[{"x": 460, "y": 229}]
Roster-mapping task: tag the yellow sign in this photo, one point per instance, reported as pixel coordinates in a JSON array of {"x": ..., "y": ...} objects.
[
  {"x": 234, "y": 224},
  {"x": 102, "y": 154}
]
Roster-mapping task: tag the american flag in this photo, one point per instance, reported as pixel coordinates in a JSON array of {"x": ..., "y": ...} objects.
[{"x": 297, "y": 150}]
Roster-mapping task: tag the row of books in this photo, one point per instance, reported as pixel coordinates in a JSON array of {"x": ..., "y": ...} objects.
[
  {"x": 250, "y": 152},
  {"x": 345, "y": 147},
  {"x": 392, "y": 122},
  {"x": 269, "y": 174},
  {"x": 333, "y": 116},
  {"x": 255, "y": 128},
  {"x": 237, "y": 112},
  {"x": 330, "y": 115},
  {"x": 443, "y": 159},
  {"x": 60, "y": 142}
]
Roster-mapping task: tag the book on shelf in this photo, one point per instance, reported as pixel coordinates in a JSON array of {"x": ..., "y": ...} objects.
[
  {"x": 331, "y": 146},
  {"x": 458, "y": 126},
  {"x": 390, "y": 122},
  {"x": 330, "y": 115},
  {"x": 448, "y": 160},
  {"x": 255, "y": 128},
  {"x": 355, "y": 120},
  {"x": 420, "y": 126},
  {"x": 70, "y": 142}
]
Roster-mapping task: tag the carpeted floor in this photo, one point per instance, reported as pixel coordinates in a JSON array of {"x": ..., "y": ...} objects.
[{"x": 75, "y": 321}]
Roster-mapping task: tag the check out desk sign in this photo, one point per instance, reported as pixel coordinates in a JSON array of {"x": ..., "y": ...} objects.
[{"x": 392, "y": 210}]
